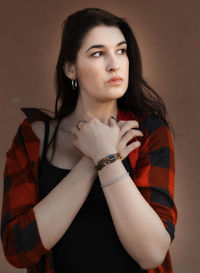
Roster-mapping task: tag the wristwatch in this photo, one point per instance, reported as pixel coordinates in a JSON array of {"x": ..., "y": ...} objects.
[{"x": 107, "y": 160}]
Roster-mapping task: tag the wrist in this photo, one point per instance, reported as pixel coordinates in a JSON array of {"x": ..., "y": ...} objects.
[{"x": 102, "y": 155}]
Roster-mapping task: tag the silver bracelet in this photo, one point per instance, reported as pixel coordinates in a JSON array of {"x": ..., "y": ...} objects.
[{"x": 116, "y": 179}]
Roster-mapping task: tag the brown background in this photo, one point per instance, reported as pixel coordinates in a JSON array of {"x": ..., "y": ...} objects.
[{"x": 168, "y": 36}]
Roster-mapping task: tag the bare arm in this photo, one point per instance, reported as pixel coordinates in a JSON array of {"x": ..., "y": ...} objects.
[
  {"x": 65, "y": 199},
  {"x": 56, "y": 211},
  {"x": 138, "y": 226}
]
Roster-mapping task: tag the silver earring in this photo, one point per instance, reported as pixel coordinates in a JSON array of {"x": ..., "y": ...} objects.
[{"x": 74, "y": 84}]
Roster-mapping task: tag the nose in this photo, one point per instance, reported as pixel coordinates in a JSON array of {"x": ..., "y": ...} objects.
[{"x": 112, "y": 64}]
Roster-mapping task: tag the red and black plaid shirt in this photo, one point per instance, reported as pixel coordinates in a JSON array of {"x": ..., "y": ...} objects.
[{"x": 153, "y": 173}]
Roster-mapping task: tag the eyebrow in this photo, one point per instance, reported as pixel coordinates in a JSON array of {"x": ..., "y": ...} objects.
[{"x": 100, "y": 46}]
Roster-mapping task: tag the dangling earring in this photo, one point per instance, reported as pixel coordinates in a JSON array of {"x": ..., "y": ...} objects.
[{"x": 74, "y": 84}]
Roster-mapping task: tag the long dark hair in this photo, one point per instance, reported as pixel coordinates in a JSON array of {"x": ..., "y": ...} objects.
[{"x": 139, "y": 97}]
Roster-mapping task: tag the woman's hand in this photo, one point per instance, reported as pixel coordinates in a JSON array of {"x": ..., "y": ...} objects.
[
  {"x": 91, "y": 140},
  {"x": 127, "y": 133},
  {"x": 96, "y": 139}
]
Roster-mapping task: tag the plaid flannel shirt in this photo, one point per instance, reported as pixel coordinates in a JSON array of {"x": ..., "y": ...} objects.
[{"x": 153, "y": 173}]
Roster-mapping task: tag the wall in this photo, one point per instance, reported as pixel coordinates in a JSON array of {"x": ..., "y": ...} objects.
[{"x": 168, "y": 36}]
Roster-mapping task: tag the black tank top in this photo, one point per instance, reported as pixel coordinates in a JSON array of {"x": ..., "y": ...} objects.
[{"x": 90, "y": 244}]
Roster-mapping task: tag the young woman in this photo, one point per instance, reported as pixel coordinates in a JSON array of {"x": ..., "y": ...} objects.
[{"x": 84, "y": 192}]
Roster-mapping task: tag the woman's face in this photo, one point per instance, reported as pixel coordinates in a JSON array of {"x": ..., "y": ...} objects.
[{"x": 95, "y": 66}]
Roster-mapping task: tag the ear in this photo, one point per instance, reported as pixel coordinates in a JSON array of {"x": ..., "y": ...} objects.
[{"x": 69, "y": 70}]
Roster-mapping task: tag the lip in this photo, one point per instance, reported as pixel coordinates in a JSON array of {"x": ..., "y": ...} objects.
[
  {"x": 115, "y": 82},
  {"x": 115, "y": 79}
]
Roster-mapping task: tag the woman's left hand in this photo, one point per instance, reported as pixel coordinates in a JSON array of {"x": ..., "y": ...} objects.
[{"x": 96, "y": 139}]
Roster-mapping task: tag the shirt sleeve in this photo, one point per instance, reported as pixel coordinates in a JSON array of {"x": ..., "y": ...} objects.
[
  {"x": 155, "y": 171},
  {"x": 20, "y": 236}
]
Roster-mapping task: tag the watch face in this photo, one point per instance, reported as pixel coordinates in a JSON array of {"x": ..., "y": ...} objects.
[{"x": 111, "y": 157}]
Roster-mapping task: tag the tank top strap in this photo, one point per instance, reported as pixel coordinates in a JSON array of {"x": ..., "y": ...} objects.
[{"x": 46, "y": 136}]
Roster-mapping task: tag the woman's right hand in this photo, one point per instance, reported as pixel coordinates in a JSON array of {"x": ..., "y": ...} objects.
[{"x": 126, "y": 134}]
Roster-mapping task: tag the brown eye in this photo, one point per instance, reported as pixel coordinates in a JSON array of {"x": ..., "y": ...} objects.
[
  {"x": 101, "y": 52},
  {"x": 96, "y": 53},
  {"x": 123, "y": 50}
]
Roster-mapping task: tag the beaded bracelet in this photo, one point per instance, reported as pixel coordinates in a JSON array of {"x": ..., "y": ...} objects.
[{"x": 116, "y": 179}]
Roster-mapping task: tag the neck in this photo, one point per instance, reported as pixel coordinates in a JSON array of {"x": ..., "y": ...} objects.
[{"x": 101, "y": 111}]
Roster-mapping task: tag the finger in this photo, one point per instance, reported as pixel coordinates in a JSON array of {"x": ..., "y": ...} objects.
[
  {"x": 135, "y": 133},
  {"x": 128, "y": 136},
  {"x": 120, "y": 123},
  {"x": 125, "y": 151},
  {"x": 112, "y": 122},
  {"x": 81, "y": 124},
  {"x": 131, "y": 147},
  {"x": 73, "y": 130},
  {"x": 128, "y": 125}
]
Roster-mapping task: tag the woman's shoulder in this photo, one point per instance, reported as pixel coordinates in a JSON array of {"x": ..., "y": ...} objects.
[
  {"x": 152, "y": 124},
  {"x": 38, "y": 128},
  {"x": 146, "y": 121}
]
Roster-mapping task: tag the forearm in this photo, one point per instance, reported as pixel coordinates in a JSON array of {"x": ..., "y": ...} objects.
[
  {"x": 138, "y": 226},
  {"x": 56, "y": 211}
]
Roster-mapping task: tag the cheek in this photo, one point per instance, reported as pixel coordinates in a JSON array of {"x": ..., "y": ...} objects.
[
  {"x": 89, "y": 75},
  {"x": 124, "y": 67}
]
